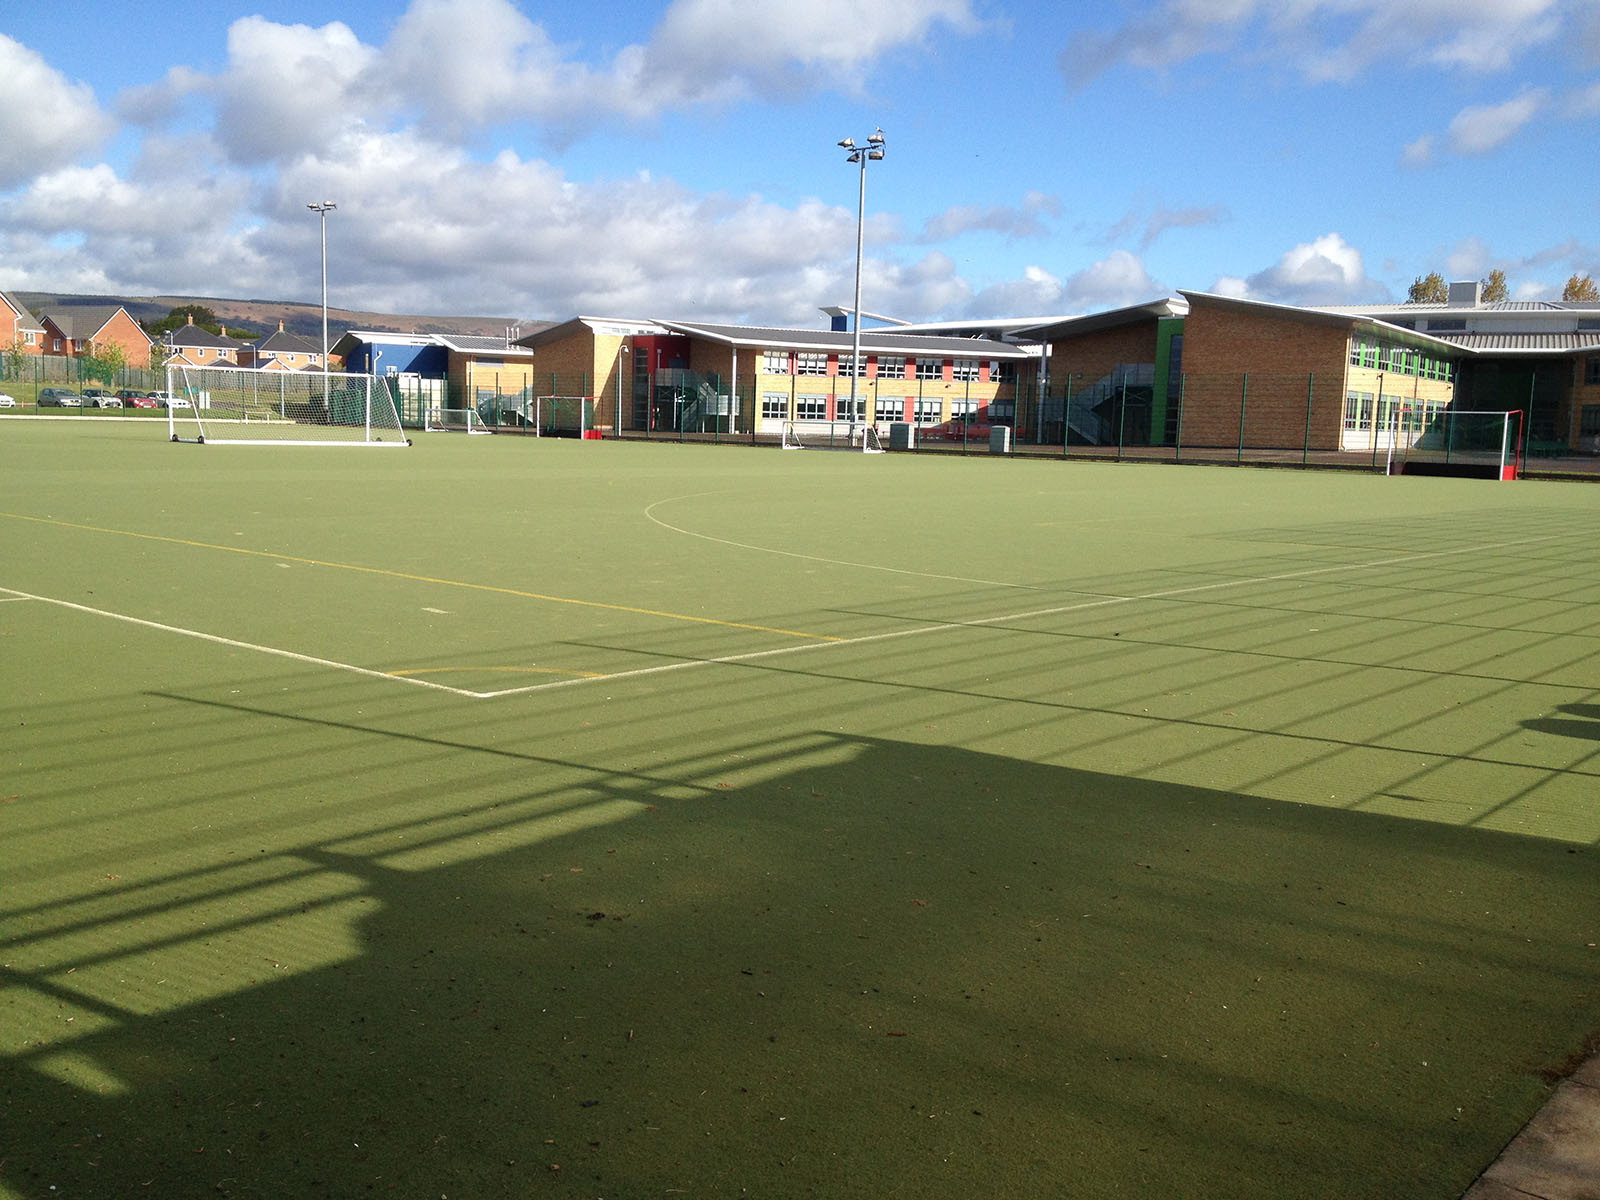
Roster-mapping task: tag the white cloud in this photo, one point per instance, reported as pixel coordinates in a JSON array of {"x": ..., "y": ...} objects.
[
  {"x": 779, "y": 44},
  {"x": 1482, "y": 129},
  {"x": 45, "y": 121},
  {"x": 1118, "y": 280},
  {"x": 289, "y": 88},
  {"x": 1327, "y": 270},
  {"x": 1011, "y": 222},
  {"x": 1326, "y": 39},
  {"x": 1469, "y": 259},
  {"x": 1419, "y": 153}
]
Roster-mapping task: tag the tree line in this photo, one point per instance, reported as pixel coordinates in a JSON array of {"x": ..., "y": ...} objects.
[{"x": 1432, "y": 289}]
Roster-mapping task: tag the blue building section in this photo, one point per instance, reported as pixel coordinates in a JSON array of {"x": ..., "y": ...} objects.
[{"x": 373, "y": 353}]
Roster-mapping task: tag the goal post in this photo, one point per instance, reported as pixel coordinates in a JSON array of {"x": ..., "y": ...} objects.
[
  {"x": 1476, "y": 445},
  {"x": 249, "y": 406}
]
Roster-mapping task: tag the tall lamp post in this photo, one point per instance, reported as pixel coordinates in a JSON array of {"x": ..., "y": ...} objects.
[
  {"x": 871, "y": 152},
  {"x": 323, "y": 209}
]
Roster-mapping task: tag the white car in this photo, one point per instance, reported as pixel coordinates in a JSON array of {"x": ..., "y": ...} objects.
[{"x": 7, "y": 401}]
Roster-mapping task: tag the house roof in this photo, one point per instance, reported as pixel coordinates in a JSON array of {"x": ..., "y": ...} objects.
[
  {"x": 601, "y": 326},
  {"x": 192, "y": 336},
  {"x": 1355, "y": 322},
  {"x": 1050, "y": 328},
  {"x": 878, "y": 341},
  {"x": 1541, "y": 328},
  {"x": 468, "y": 343},
  {"x": 25, "y": 319},
  {"x": 1525, "y": 343},
  {"x": 82, "y": 322},
  {"x": 281, "y": 341}
]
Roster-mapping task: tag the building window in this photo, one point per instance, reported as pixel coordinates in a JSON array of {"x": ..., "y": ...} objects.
[
  {"x": 964, "y": 370},
  {"x": 1002, "y": 412},
  {"x": 891, "y": 366},
  {"x": 30, "y": 339},
  {"x": 774, "y": 406},
  {"x": 811, "y": 408},
  {"x": 1003, "y": 372},
  {"x": 930, "y": 368},
  {"x": 848, "y": 410},
  {"x": 891, "y": 408},
  {"x": 1589, "y": 420},
  {"x": 846, "y": 362},
  {"x": 1357, "y": 411},
  {"x": 775, "y": 362},
  {"x": 810, "y": 364},
  {"x": 1591, "y": 372}
]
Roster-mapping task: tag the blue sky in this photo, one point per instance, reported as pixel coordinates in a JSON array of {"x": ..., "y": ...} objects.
[{"x": 678, "y": 159}]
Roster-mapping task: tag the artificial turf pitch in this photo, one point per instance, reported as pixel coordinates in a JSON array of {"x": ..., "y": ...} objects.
[{"x": 516, "y": 818}]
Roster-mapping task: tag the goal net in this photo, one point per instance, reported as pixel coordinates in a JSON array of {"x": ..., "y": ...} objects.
[
  {"x": 454, "y": 420},
  {"x": 860, "y": 438},
  {"x": 562, "y": 416},
  {"x": 1481, "y": 445},
  {"x": 286, "y": 408}
]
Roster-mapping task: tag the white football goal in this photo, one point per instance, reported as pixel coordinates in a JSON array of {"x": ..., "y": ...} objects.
[
  {"x": 802, "y": 436},
  {"x": 1484, "y": 445},
  {"x": 247, "y": 406},
  {"x": 454, "y": 420}
]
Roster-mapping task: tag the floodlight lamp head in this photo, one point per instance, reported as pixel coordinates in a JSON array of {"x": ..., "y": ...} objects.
[
  {"x": 875, "y": 154},
  {"x": 847, "y": 143},
  {"x": 877, "y": 138}
]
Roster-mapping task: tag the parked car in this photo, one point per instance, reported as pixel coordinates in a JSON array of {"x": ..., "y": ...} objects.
[
  {"x": 95, "y": 397},
  {"x": 162, "y": 399},
  {"x": 54, "y": 397},
  {"x": 7, "y": 401},
  {"x": 130, "y": 398}
]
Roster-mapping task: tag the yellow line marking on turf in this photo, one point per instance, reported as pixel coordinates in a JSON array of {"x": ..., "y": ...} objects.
[
  {"x": 457, "y": 583},
  {"x": 217, "y": 639}
]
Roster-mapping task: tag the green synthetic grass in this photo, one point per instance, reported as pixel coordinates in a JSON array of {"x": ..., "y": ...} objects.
[{"x": 1143, "y": 831}]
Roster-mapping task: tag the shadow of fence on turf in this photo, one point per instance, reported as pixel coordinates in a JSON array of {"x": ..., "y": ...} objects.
[{"x": 821, "y": 965}]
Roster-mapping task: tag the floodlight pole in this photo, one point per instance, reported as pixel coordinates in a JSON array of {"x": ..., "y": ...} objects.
[
  {"x": 872, "y": 151},
  {"x": 323, "y": 209}
]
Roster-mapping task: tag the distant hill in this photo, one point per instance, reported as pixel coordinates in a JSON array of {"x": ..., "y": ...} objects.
[{"x": 261, "y": 317}]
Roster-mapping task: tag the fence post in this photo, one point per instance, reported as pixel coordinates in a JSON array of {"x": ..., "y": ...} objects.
[
  {"x": 1244, "y": 396},
  {"x": 1066, "y": 417},
  {"x": 1177, "y": 445},
  {"x": 1122, "y": 415},
  {"x": 1311, "y": 383}
]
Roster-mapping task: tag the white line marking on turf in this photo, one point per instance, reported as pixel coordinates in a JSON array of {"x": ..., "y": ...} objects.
[
  {"x": 1102, "y": 602},
  {"x": 941, "y": 627},
  {"x": 649, "y": 514},
  {"x": 217, "y": 639}
]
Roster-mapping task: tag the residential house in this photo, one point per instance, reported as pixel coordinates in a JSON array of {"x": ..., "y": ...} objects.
[
  {"x": 18, "y": 327},
  {"x": 282, "y": 351},
  {"x": 191, "y": 345},
  {"x": 75, "y": 330}
]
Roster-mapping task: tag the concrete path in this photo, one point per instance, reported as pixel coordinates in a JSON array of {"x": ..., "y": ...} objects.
[{"x": 1557, "y": 1154}]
